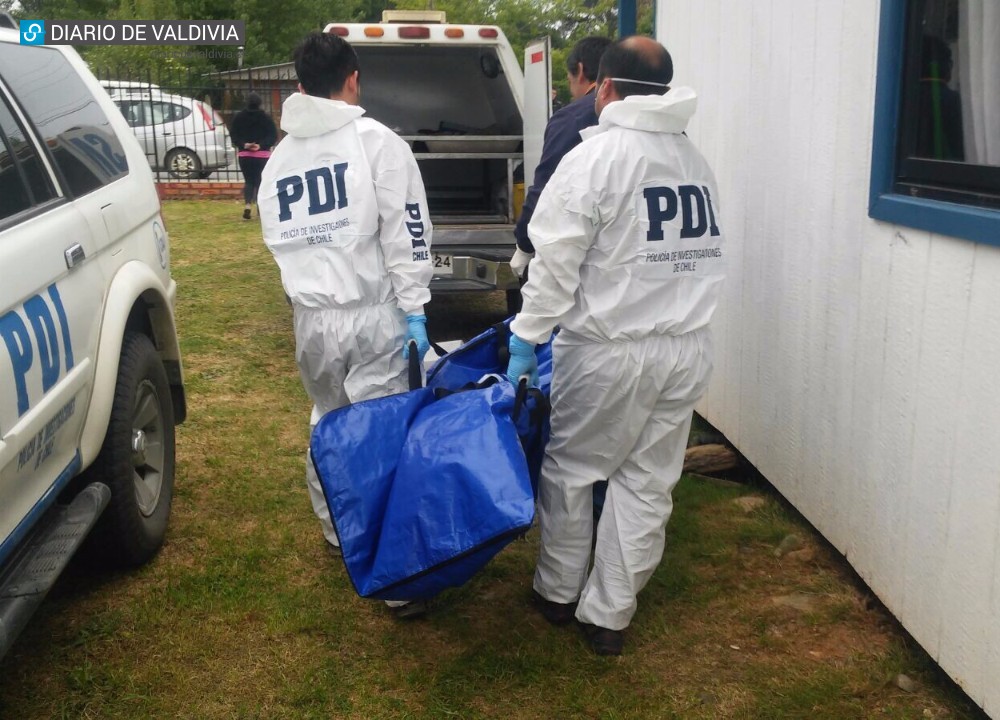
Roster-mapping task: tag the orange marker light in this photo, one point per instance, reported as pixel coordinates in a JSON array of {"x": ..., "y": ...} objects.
[
  {"x": 374, "y": 32},
  {"x": 454, "y": 32}
]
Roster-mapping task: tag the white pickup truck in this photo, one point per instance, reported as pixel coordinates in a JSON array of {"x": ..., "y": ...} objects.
[
  {"x": 475, "y": 122},
  {"x": 90, "y": 369}
]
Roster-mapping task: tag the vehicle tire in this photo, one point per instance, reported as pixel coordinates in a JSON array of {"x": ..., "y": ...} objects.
[
  {"x": 513, "y": 302},
  {"x": 136, "y": 460},
  {"x": 205, "y": 174},
  {"x": 183, "y": 163}
]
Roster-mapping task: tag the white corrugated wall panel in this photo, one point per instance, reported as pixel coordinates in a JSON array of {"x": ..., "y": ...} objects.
[
  {"x": 855, "y": 360},
  {"x": 970, "y": 615}
]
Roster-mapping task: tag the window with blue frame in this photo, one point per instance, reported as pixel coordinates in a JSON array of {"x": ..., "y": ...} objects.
[{"x": 936, "y": 155}]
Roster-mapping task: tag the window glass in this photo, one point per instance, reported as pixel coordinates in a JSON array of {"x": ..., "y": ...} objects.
[
  {"x": 160, "y": 112},
  {"x": 138, "y": 113},
  {"x": 66, "y": 115},
  {"x": 13, "y": 192},
  {"x": 39, "y": 182},
  {"x": 950, "y": 119},
  {"x": 132, "y": 112},
  {"x": 179, "y": 112},
  {"x": 147, "y": 112}
]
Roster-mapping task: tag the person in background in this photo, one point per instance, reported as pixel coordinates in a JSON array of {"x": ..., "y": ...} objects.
[
  {"x": 556, "y": 102},
  {"x": 629, "y": 262},
  {"x": 254, "y": 134},
  {"x": 344, "y": 212},
  {"x": 562, "y": 134}
]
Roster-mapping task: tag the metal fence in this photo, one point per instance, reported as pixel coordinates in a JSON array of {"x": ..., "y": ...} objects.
[{"x": 182, "y": 119}]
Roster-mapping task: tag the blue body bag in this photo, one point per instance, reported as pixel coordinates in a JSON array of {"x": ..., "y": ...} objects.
[{"x": 424, "y": 487}]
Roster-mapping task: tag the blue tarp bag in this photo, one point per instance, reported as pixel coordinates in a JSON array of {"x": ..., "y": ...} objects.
[
  {"x": 424, "y": 487},
  {"x": 486, "y": 353}
]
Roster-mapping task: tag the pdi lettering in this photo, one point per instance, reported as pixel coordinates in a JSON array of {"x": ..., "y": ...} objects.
[
  {"x": 415, "y": 226},
  {"x": 327, "y": 190},
  {"x": 694, "y": 204},
  {"x": 22, "y": 343}
]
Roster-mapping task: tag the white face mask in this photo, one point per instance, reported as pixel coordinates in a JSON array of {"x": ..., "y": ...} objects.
[{"x": 638, "y": 82}]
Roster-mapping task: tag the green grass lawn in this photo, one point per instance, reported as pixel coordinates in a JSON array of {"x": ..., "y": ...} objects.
[{"x": 244, "y": 614}]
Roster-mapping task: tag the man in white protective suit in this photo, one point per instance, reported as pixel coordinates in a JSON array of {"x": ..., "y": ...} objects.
[
  {"x": 629, "y": 263},
  {"x": 344, "y": 213}
]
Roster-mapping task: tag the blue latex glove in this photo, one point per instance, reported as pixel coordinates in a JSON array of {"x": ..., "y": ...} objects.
[
  {"x": 416, "y": 329},
  {"x": 522, "y": 361}
]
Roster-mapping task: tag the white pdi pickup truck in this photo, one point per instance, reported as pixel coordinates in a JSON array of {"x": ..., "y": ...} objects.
[
  {"x": 90, "y": 369},
  {"x": 475, "y": 123}
]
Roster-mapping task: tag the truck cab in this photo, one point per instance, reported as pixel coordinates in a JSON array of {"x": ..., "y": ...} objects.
[{"x": 456, "y": 95}]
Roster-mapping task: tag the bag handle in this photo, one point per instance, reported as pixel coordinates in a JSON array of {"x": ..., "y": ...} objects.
[
  {"x": 543, "y": 408},
  {"x": 441, "y": 352},
  {"x": 414, "y": 374},
  {"x": 415, "y": 377},
  {"x": 485, "y": 382},
  {"x": 503, "y": 340},
  {"x": 520, "y": 396},
  {"x": 542, "y": 405}
]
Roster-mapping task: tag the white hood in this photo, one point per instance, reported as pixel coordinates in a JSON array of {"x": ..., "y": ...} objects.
[
  {"x": 668, "y": 113},
  {"x": 626, "y": 232},
  {"x": 308, "y": 116},
  {"x": 373, "y": 250}
]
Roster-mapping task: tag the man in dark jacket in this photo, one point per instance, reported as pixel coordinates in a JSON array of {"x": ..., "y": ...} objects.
[{"x": 562, "y": 134}]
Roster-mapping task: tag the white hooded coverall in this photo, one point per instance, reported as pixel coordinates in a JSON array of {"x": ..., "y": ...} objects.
[
  {"x": 629, "y": 259},
  {"x": 344, "y": 213}
]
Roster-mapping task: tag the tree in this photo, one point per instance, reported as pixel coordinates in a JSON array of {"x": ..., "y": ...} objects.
[
  {"x": 520, "y": 20},
  {"x": 270, "y": 41},
  {"x": 564, "y": 21},
  {"x": 58, "y": 9},
  {"x": 124, "y": 62}
]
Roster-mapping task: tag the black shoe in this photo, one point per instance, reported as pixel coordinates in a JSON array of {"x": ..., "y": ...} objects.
[
  {"x": 246, "y": 213},
  {"x": 555, "y": 613},
  {"x": 603, "y": 641},
  {"x": 412, "y": 609}
]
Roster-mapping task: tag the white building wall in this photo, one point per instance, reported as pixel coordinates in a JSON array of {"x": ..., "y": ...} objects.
[{"x": 858, "y": 363}]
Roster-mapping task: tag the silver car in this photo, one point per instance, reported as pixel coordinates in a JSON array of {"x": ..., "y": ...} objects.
[{"x": 183, "y": 136}]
